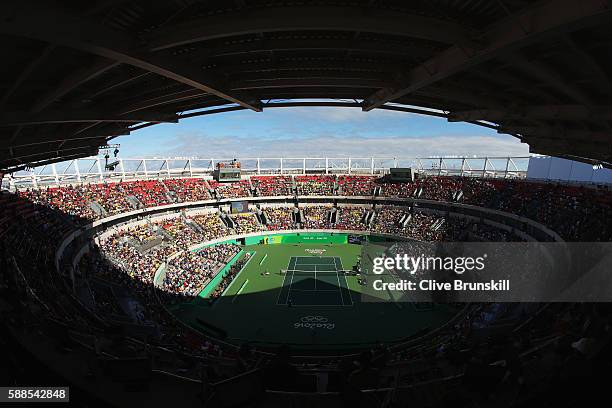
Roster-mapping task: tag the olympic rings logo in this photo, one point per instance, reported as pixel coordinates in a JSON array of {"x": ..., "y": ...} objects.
[
  {"x": 314, "y": 322},
  {"x": 314, "y": 319}
]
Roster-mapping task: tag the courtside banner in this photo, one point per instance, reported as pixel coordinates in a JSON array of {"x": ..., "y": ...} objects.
[{"x": 486, "y": 272}]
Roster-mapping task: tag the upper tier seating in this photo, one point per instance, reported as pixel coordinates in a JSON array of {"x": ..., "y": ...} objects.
[
  {"x": 188, "y": 189},
  {"x": 315, "y": 185},
  {"x": 574, "y": 212}
]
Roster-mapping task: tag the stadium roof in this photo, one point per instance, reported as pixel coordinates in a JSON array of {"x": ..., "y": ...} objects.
[{"x": 76, "y": 74}]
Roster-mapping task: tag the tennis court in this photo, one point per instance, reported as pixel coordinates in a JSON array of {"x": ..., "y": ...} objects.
[
  {"x": 315, "y": 281},
  {"x": 254, "y": 307}
]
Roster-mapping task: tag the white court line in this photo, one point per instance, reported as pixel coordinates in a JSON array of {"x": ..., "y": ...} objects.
[
  {"x": 339, "y": 285},
  {"x": 347, "y": 287},
  {"x": 311, "y": 272},
  {"x": 292, "y": 271},
  {"x": 253, "y": 254},
  {"x": 289, "y": 292},
  {"x": 280, "y": 292},
  {"x": 313, "y": 290},
  {"x": 336, "y": 305},
  {"x": 317, "y": 260}
]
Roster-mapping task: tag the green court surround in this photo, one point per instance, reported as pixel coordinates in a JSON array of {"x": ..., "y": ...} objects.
[{"x": 326, "y": 313}]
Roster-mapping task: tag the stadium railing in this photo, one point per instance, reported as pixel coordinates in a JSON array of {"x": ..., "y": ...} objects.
[{"x": 92, "y": 169}]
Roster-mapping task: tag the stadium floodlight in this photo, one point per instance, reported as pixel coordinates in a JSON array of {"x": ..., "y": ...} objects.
[{"x": 112, "y": 166}]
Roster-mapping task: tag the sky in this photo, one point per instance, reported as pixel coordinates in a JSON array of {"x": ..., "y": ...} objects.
[{"x": 317, "y": 132}]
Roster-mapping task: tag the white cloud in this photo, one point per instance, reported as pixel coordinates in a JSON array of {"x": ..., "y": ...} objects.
[
  {"x": 190, "y": 145},
  {"x": 341, "y": 114}
]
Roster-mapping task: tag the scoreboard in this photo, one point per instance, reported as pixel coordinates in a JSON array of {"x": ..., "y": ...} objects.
[
  {"x": 401, "y": 174},
  {"x": 227, "y": 171},
  {"x": 227, "y": 174}
]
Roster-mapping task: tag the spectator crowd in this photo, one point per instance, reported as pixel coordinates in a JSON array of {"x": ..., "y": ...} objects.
[
  {"x": 572, "y": 211},
  {"x": 551, "y": 346}
]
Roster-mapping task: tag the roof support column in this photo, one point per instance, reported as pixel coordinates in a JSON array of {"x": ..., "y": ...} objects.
[
  {"x": 55, "y": 177},
  {"x": 77, "y": 170},
  {"x": 100, "y": 173}
]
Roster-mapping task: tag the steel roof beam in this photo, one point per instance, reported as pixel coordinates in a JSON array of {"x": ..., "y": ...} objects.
[
  {"x": 588, "y": 60},
  {"x": 36, "y": 21},
  {"x": 312, "y": 74},
  {"x": 308, "y": 18},
  {"x": 573, "y": 152},
  {"x": 115, "y": 85},
  {"x": 58, "y": 138},
  {"x": 25, "y": 74},
  {"x": 501, "y": 80},
  {"x": 546, "y": 75},
  {"x": 73, "y": 81},
  {"x": 160, "y": 100},
  {"x": 306, "y": 64},
  {"x": 30, "y": 156},
  {"x": 49, "y": 117},
  {"x": 531, "y": 24},
  {"x": 307, "y": 82},
  {"x": 20, "y": 165},
  {"x": 559, "y": 133},
  {"x": 546, "y": 112},
  {"x": 578, "y": 149},
  {"x": 319, "y": 43},
  {"x": 331, "y": 103}
]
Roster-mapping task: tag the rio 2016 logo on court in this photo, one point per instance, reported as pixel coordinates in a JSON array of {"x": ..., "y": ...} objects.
[
  {"x": 315, "y": 251},
  {"x": 314, "y": 322}
]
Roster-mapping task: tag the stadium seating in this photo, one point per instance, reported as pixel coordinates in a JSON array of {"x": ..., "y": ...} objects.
[
  {"x": 356, "y": 185},
  {"x": 231, "y": 190},
  {"x": 187, "y": 189},
  {"x": 517, "y": 339},
  {"x": 279, "y": 218},
  {"x": 272, "y": 186},
  {"x": 315, "y": 185},
  {"x": 571, "y": 211}
]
